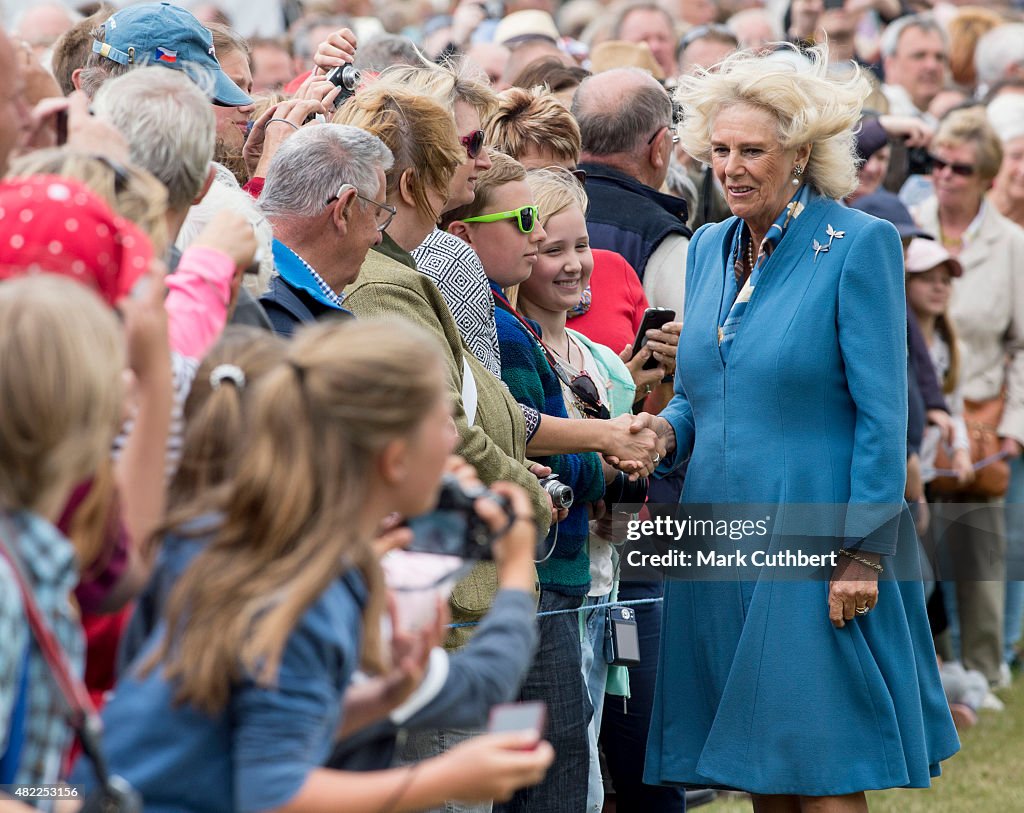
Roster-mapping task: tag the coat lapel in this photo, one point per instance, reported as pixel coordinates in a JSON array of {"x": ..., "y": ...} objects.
[
  {"x": 795, "y": 247},
  {"x": 977, "y": 252}
]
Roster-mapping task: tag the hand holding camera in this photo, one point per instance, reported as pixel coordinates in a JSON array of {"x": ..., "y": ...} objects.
[
  {"x": 467, "y": 521},
  {"x": 338, "y": 49}
]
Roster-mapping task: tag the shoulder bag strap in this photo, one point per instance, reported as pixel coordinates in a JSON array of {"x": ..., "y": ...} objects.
[{"x": 82, "y": 714}]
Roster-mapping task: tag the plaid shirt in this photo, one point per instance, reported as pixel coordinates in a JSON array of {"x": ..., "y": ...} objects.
[{"x": 48, "y": 560}]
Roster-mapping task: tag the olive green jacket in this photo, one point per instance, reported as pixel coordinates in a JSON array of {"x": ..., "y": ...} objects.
[{"x": 495, "y": 443}]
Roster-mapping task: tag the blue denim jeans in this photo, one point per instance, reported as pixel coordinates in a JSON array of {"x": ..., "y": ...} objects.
[
  {"x": 556, "y": 678},
  {"x": 625, "y": 724},
  {"x": 1014, "y": 607},
  {"x": 425, "y": 744},
  {"x": 595, "y": 675}
]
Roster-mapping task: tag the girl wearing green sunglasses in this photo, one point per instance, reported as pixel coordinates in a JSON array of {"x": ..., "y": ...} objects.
[{"x": 525, "y": 216}]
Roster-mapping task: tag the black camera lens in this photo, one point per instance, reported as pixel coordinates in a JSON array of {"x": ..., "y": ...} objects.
[
  {"x": 454, "y": 528},
  {"x": 347, "y": 78},
  {"x": 625, "y": 491}
]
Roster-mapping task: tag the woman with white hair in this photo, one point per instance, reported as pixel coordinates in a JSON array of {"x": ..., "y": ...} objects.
[{"x": 802, "y": 685}]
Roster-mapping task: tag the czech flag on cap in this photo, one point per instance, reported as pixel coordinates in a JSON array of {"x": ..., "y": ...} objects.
[{"x": 165, "y": 55}]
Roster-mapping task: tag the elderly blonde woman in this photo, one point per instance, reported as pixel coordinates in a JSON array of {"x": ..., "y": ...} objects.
[
  {"x": 802, "y": 686},
  {"x": 987, "y": 307}
]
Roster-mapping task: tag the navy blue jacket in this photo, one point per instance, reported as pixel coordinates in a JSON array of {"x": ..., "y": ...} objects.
[
  {"x": 289, "y": 307},
  {"x": 628, "y": 217}
]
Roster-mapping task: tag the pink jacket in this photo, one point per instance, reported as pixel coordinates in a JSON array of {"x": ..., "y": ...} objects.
[{"x": 198, "y": 294}]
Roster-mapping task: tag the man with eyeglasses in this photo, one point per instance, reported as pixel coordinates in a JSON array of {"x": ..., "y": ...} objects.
[
  {"x": 627, "y": 132},
  {"x": 324, "y": 199}
]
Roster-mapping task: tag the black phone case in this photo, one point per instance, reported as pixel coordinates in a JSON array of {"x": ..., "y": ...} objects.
[{"x": 653, "y": 318}]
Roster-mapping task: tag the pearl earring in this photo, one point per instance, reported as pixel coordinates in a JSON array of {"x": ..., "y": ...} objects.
[{"x": 798, "y": 172}]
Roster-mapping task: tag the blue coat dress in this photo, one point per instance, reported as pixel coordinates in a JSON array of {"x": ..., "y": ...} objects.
[{"x": 756, "y": 689}]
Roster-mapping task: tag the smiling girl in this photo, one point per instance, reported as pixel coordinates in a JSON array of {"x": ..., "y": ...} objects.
[{"x": 560, "y": 275}]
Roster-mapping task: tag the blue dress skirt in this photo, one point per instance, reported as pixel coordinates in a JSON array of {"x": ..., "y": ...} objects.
[{"x": 756, "y": 689}]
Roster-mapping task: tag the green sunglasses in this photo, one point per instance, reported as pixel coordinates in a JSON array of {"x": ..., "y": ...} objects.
[{"x": 526, "y": 216}]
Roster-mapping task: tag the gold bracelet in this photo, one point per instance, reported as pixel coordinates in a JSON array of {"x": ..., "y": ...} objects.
[{"x": 857, "y": 558}]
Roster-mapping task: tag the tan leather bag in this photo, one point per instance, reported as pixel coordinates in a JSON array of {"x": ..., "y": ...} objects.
[{"x": 982, "y": 419}]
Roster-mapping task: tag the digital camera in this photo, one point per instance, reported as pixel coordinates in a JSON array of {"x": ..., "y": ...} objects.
[
  {"x": 561, "y": 495},
  {"x": 347, "y": 78},
  {"x": 454, "y": 528}
]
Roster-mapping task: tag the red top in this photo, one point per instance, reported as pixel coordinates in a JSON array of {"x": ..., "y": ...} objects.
[
  {"x": 617, "y": 303},
  {"x": 293, "y": 86},
  {"x": 254, "y": 186}
]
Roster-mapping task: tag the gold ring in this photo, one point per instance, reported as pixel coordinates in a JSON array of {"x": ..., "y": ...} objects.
[{"x": 861, "y": 610}]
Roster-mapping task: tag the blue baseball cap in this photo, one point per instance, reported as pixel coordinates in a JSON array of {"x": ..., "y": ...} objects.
[{"x": 162, "y": 34}]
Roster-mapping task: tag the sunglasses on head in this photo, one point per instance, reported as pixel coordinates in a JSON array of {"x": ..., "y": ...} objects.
[
  {"x": 474, "y": 142},
  {"x": 964, "y": 170},
  {"x": 526, "y": 216},
  {"x": 580, "y": 175},
  {"x": 585, "y": 392}
]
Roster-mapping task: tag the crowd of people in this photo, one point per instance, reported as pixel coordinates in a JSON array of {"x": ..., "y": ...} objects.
[{"x": 339, "y": 340}]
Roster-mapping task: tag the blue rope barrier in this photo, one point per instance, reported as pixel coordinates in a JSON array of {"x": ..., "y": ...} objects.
[{"x": 583, "y": 609}]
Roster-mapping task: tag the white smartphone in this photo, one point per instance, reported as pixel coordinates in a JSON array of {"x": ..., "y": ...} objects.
[{"x": 507, "y": 717}]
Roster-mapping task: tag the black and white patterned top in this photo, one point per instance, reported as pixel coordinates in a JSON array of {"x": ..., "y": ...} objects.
[{"x": 459, "y": 276}]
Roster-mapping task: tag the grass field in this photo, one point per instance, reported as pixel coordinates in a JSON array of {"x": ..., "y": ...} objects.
[{"x": 987, "y": 776}]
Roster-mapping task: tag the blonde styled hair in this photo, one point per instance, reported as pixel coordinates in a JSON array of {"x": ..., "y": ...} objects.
[
  {"x": 534, "y": 119},
  {"x": 810, "y": 107},
  {"x": 315, "y": 425},
  {"x": 132, "y": 192},
  {"x": 418, "y": 130},
  {"x": 448, "y": 83},
  {"x": 61, "y": 357},
  {"x": 554, "y": 191},
  {"x": 971, "y": 126}
]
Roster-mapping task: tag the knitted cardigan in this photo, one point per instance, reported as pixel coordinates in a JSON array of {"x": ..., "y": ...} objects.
[{"x": 526, "y": 372}]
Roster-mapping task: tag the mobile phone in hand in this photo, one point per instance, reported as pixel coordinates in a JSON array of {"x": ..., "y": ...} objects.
[
  {"x": 507, "y": 717},
  {"x": 654, "y": 318}
]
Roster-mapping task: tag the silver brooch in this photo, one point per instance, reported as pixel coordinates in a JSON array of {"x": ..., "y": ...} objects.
[{"x": 820, "y": 248}]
